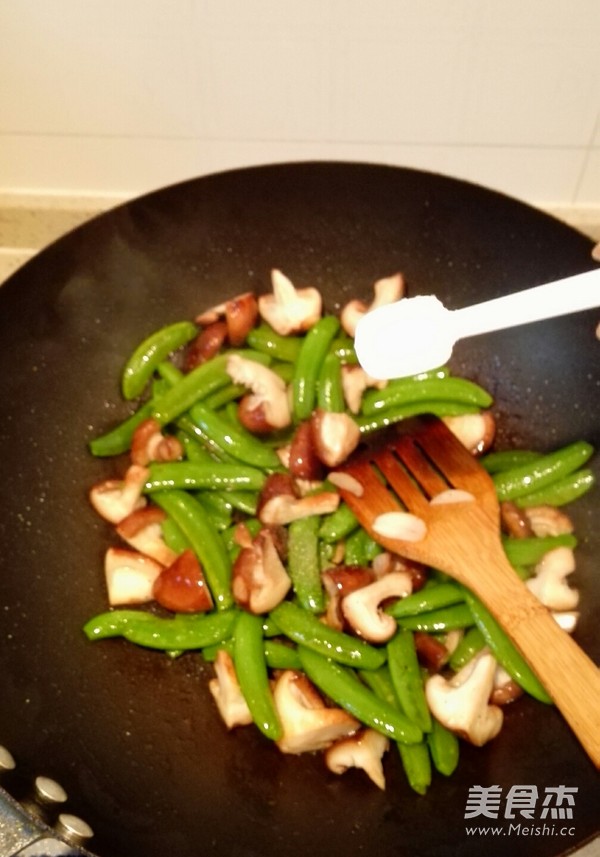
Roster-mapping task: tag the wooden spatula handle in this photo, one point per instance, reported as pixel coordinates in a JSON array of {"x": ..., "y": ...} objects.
[{"x": 570, "y": 677}]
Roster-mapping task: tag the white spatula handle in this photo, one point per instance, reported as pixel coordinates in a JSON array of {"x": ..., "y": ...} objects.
[{"x": 562, "y": 297}]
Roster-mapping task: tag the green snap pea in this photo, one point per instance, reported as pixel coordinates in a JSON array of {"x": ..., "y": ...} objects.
[
  {"x": 444, "y": 748},
  {"x": 519, "y": 481},
  {"x": 169, "y": 373},
  {"x": 183, "y": 632},
  {"x": 415, "y": 757},
  {"x": 225, "y": 396},
  {"x": 529, "y": 551},
  {"x": 278, "y": 656},
  {"x": 253, "y": 676},
  {"x": 285, "y": 348},
  {"x": 471, "y": 643},
  {"x": 508, "y": 459},
  {"x": 451, "y": 618},
  {"x": 206, "y": 542},
  {"x": 173, "y": 536},
  {"x": 217, "y": 511},
  {"x": 425, "y": 600},
  {"x": 308, "y": 365},
  {"x": 303, "y": 563},
  {"x": 193, "y": 476},
  {"x": 355, "y": 552},
  {"x": 343, "y": 347},
  {"x": 140, "y": 367},
  {"x": 305, "y": 628},
  {"x": 505, "y": 652},
  {"x": 236, "y": 442},
  {"x": 561, "y": 492},
  {"x": 330, "y": 393},
  {"x": 407, "y": 680},
  {"x": 118, "y": 439},
  {"x": 425, "y": 389},
  {"x": 374, "y": 422},
  {"x": 338, "y": 525},
  {"x": 343, "y": 686}
]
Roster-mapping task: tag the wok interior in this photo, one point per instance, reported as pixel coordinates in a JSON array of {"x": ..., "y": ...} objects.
[{"x": 133, "y": 736}]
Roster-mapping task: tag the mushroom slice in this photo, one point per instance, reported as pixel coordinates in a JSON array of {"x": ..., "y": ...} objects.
[
  {"x": 549, "y": 584},
  {"x": 227, "y": 693},
  {"x": 362, "y": 608},
  {"x": 240, "y": 315},
  {"x": 364, "y": 750},
  {"x": 130, "y": 576},
  {"x": 114, "y": 499},
  {"x": 287, "y": 309},
  {"x": 260, "y": 581},
  {"x": 335, "y": 436},
  {"x": 386, "y": 290},
  {"x": 270, "y": 393},
  {"x": 142, "y": 530},
  {"x": 476, "y": 432},
  {"x": 354, "y": 383},
  {"x": 284, "y": 508},
  {"x": 548, "y": 520},
  {"x": 181, "y": 587},
  {"x": 461, "y": 704},
  {"x": 308, "y": 724},
  {"x": 150, "y": 444}
]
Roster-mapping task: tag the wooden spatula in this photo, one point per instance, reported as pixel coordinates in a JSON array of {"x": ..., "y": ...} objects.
[{"x": 463, "y": 539}]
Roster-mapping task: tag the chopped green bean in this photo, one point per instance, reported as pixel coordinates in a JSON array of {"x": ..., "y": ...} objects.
[
  {"x": 330, "y": 393},
  {"x": 303, "y": 563},
  {"x": 118, "y": 439},
  {"x": 508, "y": 459},
  {"x": 252, "y": 674},
  {"x": 339, "y": 524},
  {"x": 407, "y": 679},
  {"x": 444, "y": 748},
  {"x": 374, "y": 422}
]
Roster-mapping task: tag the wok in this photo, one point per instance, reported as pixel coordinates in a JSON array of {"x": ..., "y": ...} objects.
[{"x": 134, "y": 737}]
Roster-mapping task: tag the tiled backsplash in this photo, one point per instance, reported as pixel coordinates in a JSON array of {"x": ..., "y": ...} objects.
[{"x": 123, "y": 96}]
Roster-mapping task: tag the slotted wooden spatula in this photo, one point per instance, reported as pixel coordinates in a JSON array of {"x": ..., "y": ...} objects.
[{"x": 463, "y": 539}]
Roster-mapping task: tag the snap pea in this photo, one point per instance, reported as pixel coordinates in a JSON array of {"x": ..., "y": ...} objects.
[
  {"x": 305, "y": 628},
  {"x": 183, "y": 632},
  {"x": 431, "y": 597},
  {"x": 343, "y": 686},
  {"x": 339, "y": 524},
  {"x": 118, "y": 439},
  {"x": 471, "y": 643},
  {"x": 169, "y": 373},
  {"x": 368, "y": 423},
  {"x": 330, "y": 394},
  {"x": 208, "y": 443},
  {"x": 217, "y": 510},
  {"x": 519, "y": 481},
  {"x": 407, "y": 680},
  {"x": 253, "y": 676},
  {"x": 444, "y": 748},
  {"x": 528, "y": 551},
  {"x": 415, "y": 757},
  {"x": 206, "y": 542},
  {"x": 303, "y": 563},
  {"x": 445, "y": 619},
  {"x": 425, "y": 389},
  {"x": 263, "y": 338},
  {"x": 343, "y": 347},
  {"x": 173, "y": 536},
  {"x": 561, "y": 492},
  {"x": 236, "y": 442},
  {"x": 308, "y": 365},
  {"x": 140, "y": 366},
  {"x": 357, "y": 550},
  {"x": 193, "y": 476},
  {"x": 278, "y": 656},
  {"x": 508, "y": 459},
  {"x": 225, "y": 396},
  {"x": 504, "y": 651}
]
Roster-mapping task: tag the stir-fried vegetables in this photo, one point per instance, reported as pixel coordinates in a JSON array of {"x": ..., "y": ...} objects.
[{"x": 232, "y": 542}]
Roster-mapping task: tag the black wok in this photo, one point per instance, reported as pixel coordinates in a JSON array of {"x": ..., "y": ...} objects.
[{"x": 133, "y": 736}]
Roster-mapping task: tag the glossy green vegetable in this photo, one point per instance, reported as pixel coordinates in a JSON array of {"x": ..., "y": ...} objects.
[
  {"x": 263, "y": 338},
  {"x": 193, "y": 476},
  {"x": 504, "y": 651},
  {"x": 339, "y": 524},
  {"x": 118, "y": 439},
  {"x": 303, "y": 563},
  {"x": 308, "y": 365},
  {"x": 409, "y": 390},
  {"x": 431, "y": 597},
  {"x": 306, "y": 629},
  {"x": 437, "y": 621},
  {"x": 563, "y": 491},
  {"x": 252, "y": 674},
  {"x": 343, "y": 686},
  {"x": 528, "y": 551},
  {"x": 141, "y": 365},
  {"x": 330, "y": 393},
  {"x": 382, "y": 419},
  {"x": 519, "y": 481},
  {"x": 182, "y": 632},
  {"x": 235, "y": 441},
  {"x": 471, "y": 643},
  {"x": 444, "y": 748},
  {"x": 407, "y": 680},
  {"x": 508, "y": 459}
]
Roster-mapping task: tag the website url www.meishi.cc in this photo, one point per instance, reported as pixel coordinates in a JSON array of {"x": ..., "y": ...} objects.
[{"x": 520, "y": 829}]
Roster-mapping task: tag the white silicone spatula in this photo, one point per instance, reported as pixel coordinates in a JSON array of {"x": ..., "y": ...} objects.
[{"x": 417, "y": 334}]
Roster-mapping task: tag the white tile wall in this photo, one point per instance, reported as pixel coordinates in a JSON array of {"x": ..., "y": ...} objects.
[{"x": 122, "y": 96}]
